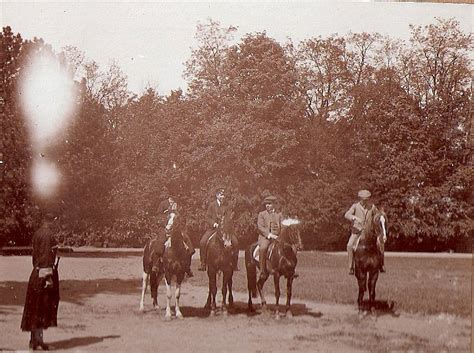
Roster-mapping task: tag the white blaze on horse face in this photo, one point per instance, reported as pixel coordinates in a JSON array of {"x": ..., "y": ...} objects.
[
  {"x": 290, "y": 221},
  {"x": 382, "y": 222}
]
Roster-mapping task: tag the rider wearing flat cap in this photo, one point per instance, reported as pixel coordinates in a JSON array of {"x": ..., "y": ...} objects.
[
  {"x": 216, "y": 211},
  {"x": 357, "y": 214},
  {"x": 269, "y": 227}
]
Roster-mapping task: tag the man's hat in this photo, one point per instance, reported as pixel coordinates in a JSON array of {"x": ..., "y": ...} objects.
[
  {"x": 364, "y": 194},
  {"x": 269, "y": 199}
]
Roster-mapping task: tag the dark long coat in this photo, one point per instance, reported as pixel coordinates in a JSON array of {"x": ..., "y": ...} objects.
[{"x": 41, "y": 304}]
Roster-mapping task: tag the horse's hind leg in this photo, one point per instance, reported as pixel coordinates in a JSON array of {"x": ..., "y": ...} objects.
[
  {"x": 145, "y": 278},
  {"x": 154, "y": 282}
]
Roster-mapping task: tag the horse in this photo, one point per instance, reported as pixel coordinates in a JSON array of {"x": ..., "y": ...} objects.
[
  {"x": 220, "y": 259},
  {"x": 281, "y": 261},
  {"x": 171, "y": 265},
  {"x": 367, "y": 257}
]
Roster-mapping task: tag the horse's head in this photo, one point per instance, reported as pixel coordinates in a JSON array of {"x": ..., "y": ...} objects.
[
  {"x": 290, "y": 233},
  {"x": 375, "y": 225},
  {"x": 226, "y": 228}
]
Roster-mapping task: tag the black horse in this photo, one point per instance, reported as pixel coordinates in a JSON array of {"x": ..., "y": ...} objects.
[
  {"x": 281, "y": 261},
  {"x": 220, "y": 253},
  {"x": 367, "y": 256}
]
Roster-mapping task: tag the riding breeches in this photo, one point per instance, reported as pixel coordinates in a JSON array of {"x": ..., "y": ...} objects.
[
  {"x": 263, "y": 244},
  {"x": 350, "y": 248}
]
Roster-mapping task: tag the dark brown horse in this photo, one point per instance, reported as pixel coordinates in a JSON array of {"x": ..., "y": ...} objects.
[
  {"x": 367, "y": 257},
  {"x": 281, "y": 261},
  {"x": 220, "y": 252}
]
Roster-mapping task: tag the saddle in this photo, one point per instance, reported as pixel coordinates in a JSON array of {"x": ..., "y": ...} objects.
[
  {"x": 255, "y": 251},
  {"x": 227, "y": 240}
]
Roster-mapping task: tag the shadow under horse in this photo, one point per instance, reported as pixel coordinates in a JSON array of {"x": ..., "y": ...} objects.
[
  {"x": 281, "y": 261},
  {"x": 367, "y": 256},
  {"x": 171, "y": 265},
  {"x": 220, "y": 254}
]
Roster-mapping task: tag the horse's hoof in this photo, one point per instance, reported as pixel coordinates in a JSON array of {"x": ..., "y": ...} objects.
[
  {"x": 212, "y": 313},
  {"x": 141, "y": 309},
  {"x": 180, "y": 316},
  {"x": 168, "y": 318},
  {"x": 277, "y": 315},
  {"x": 289, "y": 314},
  {"x": 225, "y": 313}
]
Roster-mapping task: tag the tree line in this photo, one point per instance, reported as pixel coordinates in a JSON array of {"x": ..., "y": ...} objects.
[{"x": 309, "y": 122}]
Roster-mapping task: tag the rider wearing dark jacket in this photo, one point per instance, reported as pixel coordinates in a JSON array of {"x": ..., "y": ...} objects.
[{"x": 216, "y": 211}]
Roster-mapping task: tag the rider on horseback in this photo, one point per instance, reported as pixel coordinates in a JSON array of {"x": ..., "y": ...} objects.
[
  {"x": 357, "y": 215},
  {"x": 269, "y": 227},
  {"x": 167, "y": 210},
  {"x": 216, "y": 211}
]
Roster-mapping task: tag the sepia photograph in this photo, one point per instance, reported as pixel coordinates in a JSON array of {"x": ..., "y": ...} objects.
[{"x": 226, "y": 176}]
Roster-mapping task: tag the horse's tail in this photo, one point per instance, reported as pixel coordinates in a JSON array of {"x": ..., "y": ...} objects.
[{"x": 251, "y": 273}]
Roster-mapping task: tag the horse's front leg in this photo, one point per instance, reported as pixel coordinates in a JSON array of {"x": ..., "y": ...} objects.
[
  {"x": 177, "y": 295},
  {"x": 289, "y": 291},
  {"x": 372, "y": 282},
  {"x": 212, "y": 290},
  {"x": 261, "y": 281},
  {"x": 276, "y": 281},
  {"x": 145, "y": 278},
  {"x": 225, "y": 279},
  {"x": 168, "y": 298},
  {"x": 231, "y": 297},
  {"x": 362, "y": 283}
]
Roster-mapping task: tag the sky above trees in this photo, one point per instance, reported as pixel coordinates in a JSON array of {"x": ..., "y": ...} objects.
[{"x": 151, "y": 42}]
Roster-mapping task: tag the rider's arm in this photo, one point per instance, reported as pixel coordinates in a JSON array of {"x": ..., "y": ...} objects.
[
  {"x": 350, "y": 214},
  {"x": 211, "y": 216}
]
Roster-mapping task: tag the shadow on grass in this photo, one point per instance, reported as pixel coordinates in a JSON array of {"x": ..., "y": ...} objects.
[
  {"x": 79, "y": 342},
  {"x": 382, "y": 307},
  {"x": 72, "y": 291}
]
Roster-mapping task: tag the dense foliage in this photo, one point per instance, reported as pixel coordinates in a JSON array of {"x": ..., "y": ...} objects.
[{"x": 311, "y": 123}]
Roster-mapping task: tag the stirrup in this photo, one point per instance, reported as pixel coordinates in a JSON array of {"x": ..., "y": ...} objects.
[{"x": 351, "y": 271}]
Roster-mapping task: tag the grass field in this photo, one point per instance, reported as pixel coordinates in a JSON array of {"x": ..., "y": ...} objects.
[{"x": 416, "y": 285}]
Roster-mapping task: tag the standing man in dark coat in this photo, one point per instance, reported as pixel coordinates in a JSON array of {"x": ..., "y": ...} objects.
[
  {"x": 42, "y": 295},
  {"x": 216, "y": 210}
]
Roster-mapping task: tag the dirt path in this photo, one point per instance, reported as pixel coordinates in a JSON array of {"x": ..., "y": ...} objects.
[{"x": 101, "y": 314}]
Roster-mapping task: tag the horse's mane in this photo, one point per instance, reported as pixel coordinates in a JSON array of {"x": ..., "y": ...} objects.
[{"x": 370, "y": 226}]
